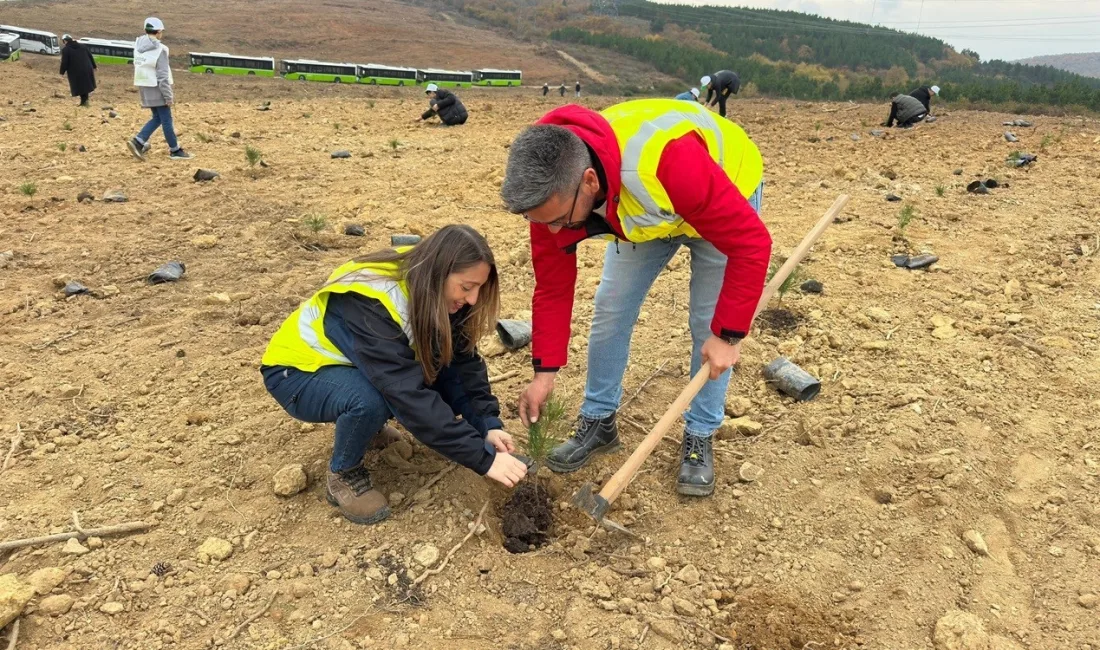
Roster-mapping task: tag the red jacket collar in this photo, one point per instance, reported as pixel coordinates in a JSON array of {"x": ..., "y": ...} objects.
[{"x": 596, "y": 132}]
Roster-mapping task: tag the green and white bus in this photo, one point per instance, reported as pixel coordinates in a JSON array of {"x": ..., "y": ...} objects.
[
  {"x": 452, "y": 78},
  {"x": 109, "y": 52},
  {"x": 310, "y": 70},
  {"x": 222, "y": 63},
  {"x": 9, "y": 47},
  {"x": 385, "y": 75},
  {"x": 490, "y": 77},
  {"x": 32, "y": 40}
]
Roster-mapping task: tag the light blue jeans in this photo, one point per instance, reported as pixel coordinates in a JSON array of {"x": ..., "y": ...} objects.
[
  {"x": 629, "y": 270},
  {"x": 162, "y": 118}
]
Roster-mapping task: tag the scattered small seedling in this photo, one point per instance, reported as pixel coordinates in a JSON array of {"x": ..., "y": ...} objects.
[
  {"x": 1048, "y": 140},
  {"x": 336, "y": 125},
  {"x": 792, "y": 281},
  {"x": 67, "y": 126},
  {"x": 62, "y": 146},
  {"x": 203, "y": 138},
  {"x": 28, "y": 189},
  {"x": 252, "y": 155},
  {"x": 904, "y": 217},
  {"x": 394, "y": 143},
  {"x": 817, "y": 126},
  {"x": 307, "y": 115},
  {"x": 548, "y": 431},
  {"x": 370, "y": 104},
  {"x": 315, "y": 222},
  {"x": 1014, "y": 156},
  {"x": 940, "y": 190}
]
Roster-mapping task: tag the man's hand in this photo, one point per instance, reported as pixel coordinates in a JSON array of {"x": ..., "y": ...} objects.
[
  {"x": 500, "y": 440},
  {"x": 721, "y": 355},
  {"x": 507, "y": 470},
  {"x": 532, "y": 399}
]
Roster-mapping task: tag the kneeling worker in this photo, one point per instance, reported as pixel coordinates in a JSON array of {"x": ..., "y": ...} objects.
[
  {"x": 906, "y": 110},
  {"x": 689, "y": 95},
  {"x": 446, "y": 105}
]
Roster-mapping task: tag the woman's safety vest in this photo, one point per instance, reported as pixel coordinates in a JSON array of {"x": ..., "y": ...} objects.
[
  {"x": 145, "y": 66},
  {"x": 301, "y": 342},
  {"x": 644, "y": 128}
]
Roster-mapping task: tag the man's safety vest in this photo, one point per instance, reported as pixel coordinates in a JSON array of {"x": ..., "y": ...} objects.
[
  {"x": 644, "y": 128},
  {"x": 301, "y": 342}
]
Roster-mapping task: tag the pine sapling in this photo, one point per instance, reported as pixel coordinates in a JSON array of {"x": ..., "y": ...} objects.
[
  {"x": 394, "y": 143},
  {"x": 28, "y": 188},
  {"x": 940, "y": 190},
  {"x": 790, "y": 282},
  {"x": 252, "y": 155},
  {"x": 546, "y": 433},
  {"x": 904, "y": 217},
  {"x": 315, "y": 222}
]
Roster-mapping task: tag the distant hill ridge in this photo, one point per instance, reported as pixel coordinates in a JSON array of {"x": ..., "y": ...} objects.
[{"x": 1082, "y": 63}]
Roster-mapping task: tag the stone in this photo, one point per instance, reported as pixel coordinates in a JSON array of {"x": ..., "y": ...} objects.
[
  {"x": 975, "y": 542},
  {"x": 85, "y": 196},
  {"x": 115, "y": 196},
  {"x": 354, "y": 230},
  {"x": 46, "y": 580},
  {"x": 684, "y": 607},
  {"x": 202, "y": 175},
  {"x": 879, "y": 314},
  {"x": 14, "y": 596},
  {"x": 958, "y": 630},
  {"x": 559, "y": 634},
  {"x": 396, "y": 498},
  {"x": 94, "y": 543},
  {"x": 214, "y": 548},
  {"x": 812, "y": 286},
  {"x": 329, "y": 559},
  {"x": 1088, "y": 601},
  {"x": 656, "y": 563},
  {"x": 426, "y": 555},
  {"x": 666, "y": 629},
  {"x": 688, "y": 575},
  {"x": 205, "y": 241},
  {"x": 738, "y": 406},
  {"x": 290, "y": 480},
  {"x": 56, "y": 605},
  {"x": 112, "y": 608},
  {"x": 236, "y": 582},
  {"x": 749, "y": 472},
  {"x": 342, "y": 153},
  {"x": 74, "y": 547},
  {"x": 218, "y": 299},
  {"x": 175, "y": 496},
  {"x": 733, "y": 427}
]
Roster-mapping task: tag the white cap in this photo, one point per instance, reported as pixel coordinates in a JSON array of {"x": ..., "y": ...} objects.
[
  {"x": 153, "y": 24},
  {"x": 695, "y": 93},
  {"x": 704, "y": 81},
  {"x": 431, "y": 88},
  {"x": 935, "y": 89},
  {"x": 66, "y": 37}
]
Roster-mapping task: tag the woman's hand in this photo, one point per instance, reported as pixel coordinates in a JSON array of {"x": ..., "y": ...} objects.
[
  {"x": 507, "y": 469},
  {"x": 501, "y": 441}
]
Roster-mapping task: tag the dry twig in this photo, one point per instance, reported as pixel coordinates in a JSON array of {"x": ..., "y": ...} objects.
[
  {"x": 248, "y": 621},
  {"x": 643, "y": 385},
  {"x": 13, "y": 635},
  {"x": 454, "y": 549},
  {"x": 231, "y": 481},
  {"x": 689, "y": 621},
  {"x": 117, "y": 529},
  {"x": 63, "y": 337},
  {"x": 502, "y": 377},
  {"x": 16, "y": 440}
]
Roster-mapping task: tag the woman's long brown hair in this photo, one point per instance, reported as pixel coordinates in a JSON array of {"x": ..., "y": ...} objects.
[{"x": 425, "y": 269}]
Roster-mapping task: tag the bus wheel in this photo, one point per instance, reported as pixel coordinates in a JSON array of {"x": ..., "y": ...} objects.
[
  {"x": 209, "y": 71},
  {"x": 374, "y": 82},
  {"x": 301, "y": 77},
  {"x": 509, "y": 84},
  {"x": 336, "y": 80},
  {"x": 252, "y": 73},
  {"x": 400, "y": 83}
]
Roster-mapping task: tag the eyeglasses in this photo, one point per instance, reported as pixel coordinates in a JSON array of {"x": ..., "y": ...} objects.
[{"x": 563, "y": 221}]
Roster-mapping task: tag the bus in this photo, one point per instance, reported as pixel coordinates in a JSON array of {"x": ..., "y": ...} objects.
[
  {"x": 490, "y": 77},
  {"x": 310, "y": 70},
  {"x": 222, "y": 63},
  {"x": 453, "y": 78},
  {"x": 109, "y": 52},
  {"x": 9, "y": 47},
  {"x": 385, "y": 75},
  {"x": 32, "y": 40}
]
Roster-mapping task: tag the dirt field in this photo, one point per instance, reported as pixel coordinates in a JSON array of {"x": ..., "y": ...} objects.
[{"x": 959, "y": 399}]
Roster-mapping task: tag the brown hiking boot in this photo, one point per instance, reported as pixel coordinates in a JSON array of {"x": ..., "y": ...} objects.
[
  {"x": 351, "y": 491},
  {"x": 386, "y": 437}
]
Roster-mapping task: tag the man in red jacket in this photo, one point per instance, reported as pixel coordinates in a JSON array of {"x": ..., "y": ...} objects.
[{"x": 652, "y": 175}]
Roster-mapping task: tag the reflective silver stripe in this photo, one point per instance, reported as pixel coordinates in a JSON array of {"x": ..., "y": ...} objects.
[
  {"x": 309, "y": 315},
  {"x": 388, "y": 286},
  {"x": 632, "y": 156}
]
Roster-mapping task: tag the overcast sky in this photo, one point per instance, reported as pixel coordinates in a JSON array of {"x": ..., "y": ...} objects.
[{"x": 995, "y": 29}]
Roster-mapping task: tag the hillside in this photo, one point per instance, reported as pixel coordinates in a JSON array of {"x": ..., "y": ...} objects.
[{"x": 1082, "y": 63}]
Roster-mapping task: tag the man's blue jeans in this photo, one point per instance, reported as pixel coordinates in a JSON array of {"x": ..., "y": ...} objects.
[
  {"x": 162, "y": 117},
  {"x": 629, "y": 270}
]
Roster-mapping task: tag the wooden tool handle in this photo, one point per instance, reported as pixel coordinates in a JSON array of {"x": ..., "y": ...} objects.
[{"x": 617, "y": 483}]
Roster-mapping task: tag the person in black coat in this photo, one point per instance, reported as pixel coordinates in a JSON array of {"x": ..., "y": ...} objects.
[
  {"x": 561, "y": 90},
  {"x": 720, "y": 86},
  {"x": 77, "y": 61},
  {"x": 925, "y": 95},
  {"x": 446, "y": 105},
  {"x": 545, "y": 89}
]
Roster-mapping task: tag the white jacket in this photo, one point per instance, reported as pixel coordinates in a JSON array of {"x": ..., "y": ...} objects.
[{"x": 147, "y": 52}]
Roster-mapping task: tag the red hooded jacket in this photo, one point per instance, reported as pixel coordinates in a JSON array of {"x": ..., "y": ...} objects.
[{"x": 701, "y": 193}]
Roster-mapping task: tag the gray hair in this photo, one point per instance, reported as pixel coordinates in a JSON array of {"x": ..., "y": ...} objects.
[{"x": 543, "y": 161}]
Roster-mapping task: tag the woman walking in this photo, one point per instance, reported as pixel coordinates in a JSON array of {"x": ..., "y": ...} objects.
[
  {"x": 153, "y": 77},
  {"x": 77, "y": 62},
  {"x": 393, "y": 334}
]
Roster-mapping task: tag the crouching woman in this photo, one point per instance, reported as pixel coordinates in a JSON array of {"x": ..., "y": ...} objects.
[{"x": 393, "y": 334}]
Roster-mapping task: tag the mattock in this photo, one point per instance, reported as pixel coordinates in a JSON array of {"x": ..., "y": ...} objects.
[{"x": 597, "y": 504}]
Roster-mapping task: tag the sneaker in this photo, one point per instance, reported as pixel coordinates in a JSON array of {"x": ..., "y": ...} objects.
[
  {"x": 137, "y": 149},
  {"x": 180, "y": 154},
  {"x": 352, "y": 492},
  {"x": 696, "y": 467},
  {"x": 590, "y": 436}
]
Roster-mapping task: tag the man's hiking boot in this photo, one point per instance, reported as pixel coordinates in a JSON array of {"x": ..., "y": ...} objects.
[
  {"x": 137, "y": 149},
  {"x": 590, "y": 436},
  {"x": 696, "y": 467},
  {"x": 352, "y": 492},
  {"x": 180, "y": 154}
]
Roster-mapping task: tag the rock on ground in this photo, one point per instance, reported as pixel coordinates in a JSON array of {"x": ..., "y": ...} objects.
[
  {"x": 975, "y": 542},
  {"x": 56, "y": 605},
  {"x": 426, "y": 555},
  {"x": 958, "y": 630},
  {"x": 45, "y": 580},
  {"x": 290, "y": 480},
  {"x": 14, "y": 596},
  {"x": 214, "y": 548},
  {"x": 74, "y": 547}
]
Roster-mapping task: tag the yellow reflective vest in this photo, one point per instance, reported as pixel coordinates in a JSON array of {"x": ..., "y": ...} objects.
[
  {"x": 643, "y": 129},
  {"x": 301, "y": 342}
]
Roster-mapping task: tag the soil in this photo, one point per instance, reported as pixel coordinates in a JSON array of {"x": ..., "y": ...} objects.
[
  {"x": 961, "y": 398},
  {"x": 779, "y": 319},
  {"x": 526, "y": 519}
]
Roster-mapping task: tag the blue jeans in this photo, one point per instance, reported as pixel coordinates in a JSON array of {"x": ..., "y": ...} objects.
[
  {"x": 162, "y": 117},
  {"x": 629, "y": 270}
]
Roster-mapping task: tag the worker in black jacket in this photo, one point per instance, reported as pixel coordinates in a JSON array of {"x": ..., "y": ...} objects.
[
  {"x": 77, "y": 62},
  {"x": 393, "y": 334},
  {"x": 925, "y": 95},
  {"x": 720, "y": 85},
  {"x": 446, "y": 105}
]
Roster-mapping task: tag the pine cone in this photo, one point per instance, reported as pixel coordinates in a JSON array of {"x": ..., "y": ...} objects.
[{"x": 161, "y": 569}]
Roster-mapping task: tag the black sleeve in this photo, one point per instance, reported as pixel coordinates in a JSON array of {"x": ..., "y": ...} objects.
[
  {"x": 64, "y": 60},
  {"x": 710, "y": 90},
  {"x": 444, "y": 99},
  {"x": 92, "y": 59},
  {"x": 475, "y": 380},
  {"x": 381, "y": 351},
  {"x": 427, "y": 114}
]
